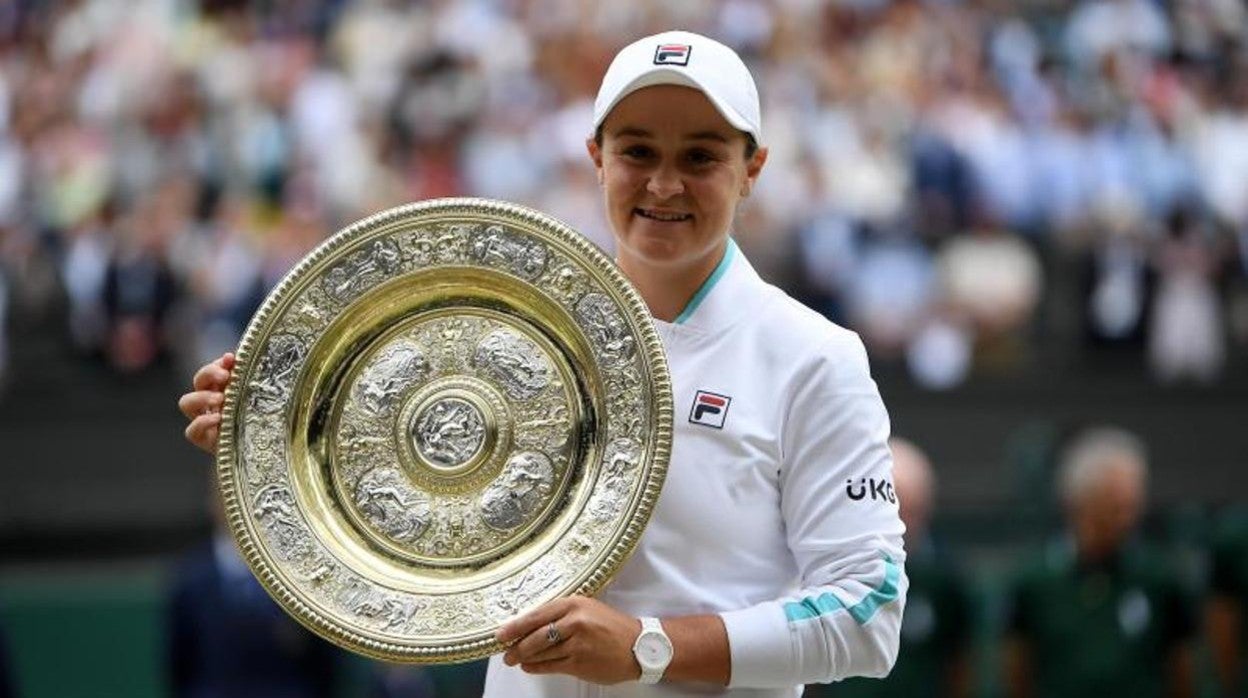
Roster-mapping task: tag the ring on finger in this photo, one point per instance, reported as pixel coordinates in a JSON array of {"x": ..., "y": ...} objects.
[{"x": 552, "y": 634}]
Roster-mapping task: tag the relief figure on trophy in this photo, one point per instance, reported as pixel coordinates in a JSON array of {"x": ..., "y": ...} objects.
[
  {"x": 391, "y": 505},
  {"x": 383, "y": 382},
  {"x": 514, "y": 361},
  {"x": 607, "y": 330},
  {"x": 275, "y": 507},
  {"x": 524, "y": 485},
  {"x": 275, "y": 372},
  {"x": 525, "y": 259},
  {"x": 366, "y": 602},
  {"x": 355, "y": 274},
  {"x": 450, "y": 432}
]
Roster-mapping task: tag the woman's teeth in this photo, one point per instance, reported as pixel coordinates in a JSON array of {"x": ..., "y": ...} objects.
[{"x": 665, "y": 217}]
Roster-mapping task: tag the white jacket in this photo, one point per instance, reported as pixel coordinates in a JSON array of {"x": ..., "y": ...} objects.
[{"x": 778, "y": 511}]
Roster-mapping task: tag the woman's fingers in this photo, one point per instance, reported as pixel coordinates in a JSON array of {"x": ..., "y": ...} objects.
[
  {"x": 541, "y": 651},
  {"x": 536, "y": 643},
  {"x": 216, "y": 375},
  {"x": 203, "y": 404},
  {"x": 200, "y": 402},
  {"x": 556, "y": 666},
  {"x": 204, "y": 430},
  {"x": 538, "y": 618}
]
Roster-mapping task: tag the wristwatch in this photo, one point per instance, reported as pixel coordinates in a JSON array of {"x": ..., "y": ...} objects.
[{"x": 653, "y": 650}]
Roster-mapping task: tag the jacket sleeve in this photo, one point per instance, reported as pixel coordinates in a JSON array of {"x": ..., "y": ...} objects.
[{"x": 843, "y": 528}]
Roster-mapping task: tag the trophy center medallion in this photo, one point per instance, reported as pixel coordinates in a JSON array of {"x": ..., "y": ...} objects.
[
  {"x": 455, "y": 432},
  {"x": 448, "y": 433}
]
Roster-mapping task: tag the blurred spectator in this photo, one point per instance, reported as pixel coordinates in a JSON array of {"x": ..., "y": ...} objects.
[
  {"x": 934, "y": 659},
  {"x": 940, "y": 352},
  {"x": 890, "y": 289},
  {"x": 227, "y": 278},
  {"x": 1102, "y": 27},
  {"x": 139, "y": 290},
  {"x": 1118, "y": 278},
  {"x": 927, "y": 156},
  {"x": 1187, "y": 334},
  {"x": 994, "y": 281},
  {"x": 229, "y": 639},
  {"x": 84, "y": 272},
  {"x": 1227, "y": 612},
  {"x": 1099, "y": 613},
  {"x": 4, "y": 326}
]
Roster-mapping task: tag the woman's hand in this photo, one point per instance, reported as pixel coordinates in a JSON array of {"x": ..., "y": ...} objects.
[
  {"x": 591, "y": 641},
  {"x": 202, "y": 406}
]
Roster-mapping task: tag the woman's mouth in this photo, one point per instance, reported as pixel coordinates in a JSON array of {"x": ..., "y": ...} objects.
[{"x": 663, "y": 216}]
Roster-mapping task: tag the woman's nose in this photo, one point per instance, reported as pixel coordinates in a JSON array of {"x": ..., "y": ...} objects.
[{"x": 665, "y": 182}]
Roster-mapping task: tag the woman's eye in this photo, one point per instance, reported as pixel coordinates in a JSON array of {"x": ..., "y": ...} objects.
[
  {"x": 700, "y": 157},
  {"x": 637, "y": 152}
]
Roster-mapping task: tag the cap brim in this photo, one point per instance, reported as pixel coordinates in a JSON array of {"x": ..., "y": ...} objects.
[{"x": 667, "y": 76}]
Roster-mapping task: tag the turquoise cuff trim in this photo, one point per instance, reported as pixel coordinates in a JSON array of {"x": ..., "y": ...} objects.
[
  {"x": 862, "y": 611},
  {"x": 730, "y": 251}
]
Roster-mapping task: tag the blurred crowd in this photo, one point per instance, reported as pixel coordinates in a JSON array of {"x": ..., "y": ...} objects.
[{"x": 960, "y": 181}]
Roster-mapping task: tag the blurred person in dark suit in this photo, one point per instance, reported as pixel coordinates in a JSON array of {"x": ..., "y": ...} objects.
[
  {"x": 4, "y": 326},
  {"x": 410, "y": 681},
  {"x": 1117, "y": 281},
  {"x": 1099, "y": 613},
  {"x": 8, "y": 684},
  {"x": 228, "y": 639},
  {"x": 1227, "y": 609},
  {"x": 139, "y": 290},
  {"x": 934, "y": 659}
]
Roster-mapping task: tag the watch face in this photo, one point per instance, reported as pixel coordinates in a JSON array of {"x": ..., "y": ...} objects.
[{"x": 653, "y": 650}]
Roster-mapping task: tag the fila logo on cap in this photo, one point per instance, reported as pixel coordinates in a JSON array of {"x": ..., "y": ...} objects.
[
  {"x": 672, "y": 54},
  {"x": 709, "y": 409}
]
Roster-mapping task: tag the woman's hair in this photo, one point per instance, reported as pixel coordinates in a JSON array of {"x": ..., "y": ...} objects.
[{"x": 751, "y": 145}]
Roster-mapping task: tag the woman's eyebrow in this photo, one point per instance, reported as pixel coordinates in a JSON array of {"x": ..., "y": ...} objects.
[
  {"x": 632, "y": 131},
  {"x": 638, "y": 132},
  {"x": 707, "y": 136}
]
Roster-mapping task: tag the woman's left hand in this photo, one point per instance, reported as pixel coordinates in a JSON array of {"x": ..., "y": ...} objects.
[{"x": 578, "y": 636}]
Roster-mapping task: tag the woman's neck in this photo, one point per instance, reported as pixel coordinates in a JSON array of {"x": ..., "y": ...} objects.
[{"x": 667, "y": 290}]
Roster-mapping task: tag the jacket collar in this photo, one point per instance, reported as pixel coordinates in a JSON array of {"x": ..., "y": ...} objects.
[{"x": 730, "y": 293}]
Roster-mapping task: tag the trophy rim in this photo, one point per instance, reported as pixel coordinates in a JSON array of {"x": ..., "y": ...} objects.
[{"x": 228, "y": 449}]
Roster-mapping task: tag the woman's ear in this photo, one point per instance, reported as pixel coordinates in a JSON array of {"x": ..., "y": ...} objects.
[
  {"x": 753, "y": 169},
  {"x": 595, "y": 155}
]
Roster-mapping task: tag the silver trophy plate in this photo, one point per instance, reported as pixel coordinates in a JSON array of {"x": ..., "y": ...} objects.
[{"x": 447, "y": 414}]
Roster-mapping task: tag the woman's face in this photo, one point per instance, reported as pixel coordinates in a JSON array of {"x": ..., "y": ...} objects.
[{"x": 672, "y": 171}]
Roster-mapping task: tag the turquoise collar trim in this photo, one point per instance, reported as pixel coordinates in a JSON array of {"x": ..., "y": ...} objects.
[{"x": 704, "y": 290}]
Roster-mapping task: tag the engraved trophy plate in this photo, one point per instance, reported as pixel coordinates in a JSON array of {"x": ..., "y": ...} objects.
[{"x": 447, "y": 414}]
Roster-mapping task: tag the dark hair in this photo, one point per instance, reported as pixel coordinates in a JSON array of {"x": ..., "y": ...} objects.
[{"x": 751, "y": 145}]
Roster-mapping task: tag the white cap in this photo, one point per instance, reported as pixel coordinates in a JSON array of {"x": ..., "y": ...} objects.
[{"x": 684, "y": 58}]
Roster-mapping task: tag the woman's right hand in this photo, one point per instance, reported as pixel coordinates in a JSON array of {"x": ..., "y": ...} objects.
[{"x": 202, "y": 406}]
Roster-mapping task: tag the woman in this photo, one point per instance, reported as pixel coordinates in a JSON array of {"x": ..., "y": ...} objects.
[{"x": 773, "y": 557}]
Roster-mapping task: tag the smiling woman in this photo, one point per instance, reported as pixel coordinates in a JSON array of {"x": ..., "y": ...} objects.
[
  {"x": 673, "y": 171},
  {"x": 759, "y": 570}
]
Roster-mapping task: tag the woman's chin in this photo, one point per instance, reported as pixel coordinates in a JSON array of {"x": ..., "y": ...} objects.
[{"x": 658, "y": 253}]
